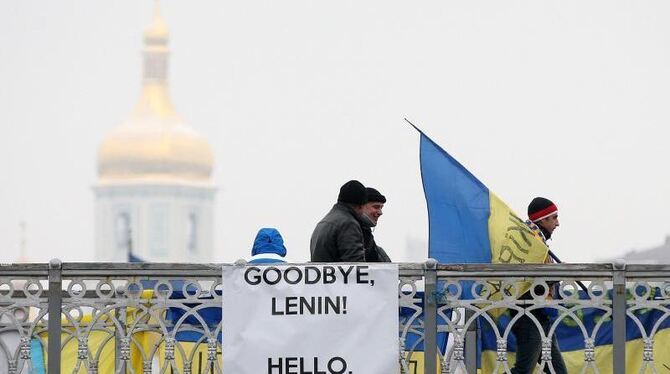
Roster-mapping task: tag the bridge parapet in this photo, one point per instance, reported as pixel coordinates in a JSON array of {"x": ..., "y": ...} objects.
[{"x": 129, "y": 317}]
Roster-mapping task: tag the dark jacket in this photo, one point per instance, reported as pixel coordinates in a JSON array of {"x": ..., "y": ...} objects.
[
  {"x": 338, "y": 237},
  {"x": 373, "y": 252}
]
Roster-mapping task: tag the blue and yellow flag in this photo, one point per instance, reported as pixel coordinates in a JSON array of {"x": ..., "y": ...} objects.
[{"x": 467, "y": 222}]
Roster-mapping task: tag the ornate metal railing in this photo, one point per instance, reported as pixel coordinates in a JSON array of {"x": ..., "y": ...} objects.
[{"x": 144, "y": 318}]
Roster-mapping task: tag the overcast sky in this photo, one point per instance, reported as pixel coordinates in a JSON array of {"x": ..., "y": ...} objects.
[{"x": 563, "y": 99}]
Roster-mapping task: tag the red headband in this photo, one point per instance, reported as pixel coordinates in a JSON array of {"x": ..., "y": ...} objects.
[{"x": 544, "y": 213}]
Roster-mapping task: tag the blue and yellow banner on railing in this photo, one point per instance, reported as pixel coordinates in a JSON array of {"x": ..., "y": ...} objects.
[{"x": 651, "y": 324}]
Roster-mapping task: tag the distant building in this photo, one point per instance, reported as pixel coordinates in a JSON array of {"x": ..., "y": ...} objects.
[
  {"x": 154, "y": 194},
  {"x": 656, "y": 255}
]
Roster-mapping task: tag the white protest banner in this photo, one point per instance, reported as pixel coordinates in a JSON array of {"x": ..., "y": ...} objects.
[{"x": 310, "y": 319}]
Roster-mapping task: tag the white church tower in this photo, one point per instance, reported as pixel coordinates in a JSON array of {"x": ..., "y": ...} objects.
[{"x": 154, "y": 196}]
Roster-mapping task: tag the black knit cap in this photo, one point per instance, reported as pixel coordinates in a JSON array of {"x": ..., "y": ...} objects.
[
  {"x": 374, "y": 196},
  {"x": 353, "y": 192},
  {"x": 541, "y": 208}
]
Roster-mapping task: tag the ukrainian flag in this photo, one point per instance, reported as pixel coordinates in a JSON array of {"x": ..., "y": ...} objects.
[
  {"x": 467, "y": 222},
  {"x": 470, "y": 224}
]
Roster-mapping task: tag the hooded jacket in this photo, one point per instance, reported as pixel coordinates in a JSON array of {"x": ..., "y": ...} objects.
[{"x": 268, "y": 247}]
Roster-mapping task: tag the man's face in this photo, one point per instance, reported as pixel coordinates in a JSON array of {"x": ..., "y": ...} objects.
[
  {"x": 373, "y": 210},
  {"x": 550, "y": 223}
]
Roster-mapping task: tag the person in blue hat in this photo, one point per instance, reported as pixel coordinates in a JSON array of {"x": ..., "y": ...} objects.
[{"x": 268, "y": 247}]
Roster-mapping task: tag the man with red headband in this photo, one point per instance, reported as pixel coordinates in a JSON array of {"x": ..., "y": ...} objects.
[
  {"x": 543, "y": 216},
  {"x": 543, "y": 220}
]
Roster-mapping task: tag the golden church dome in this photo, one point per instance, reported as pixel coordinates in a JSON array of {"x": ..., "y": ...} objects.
[
  {"x": 155, "y": 148},
  {"x": 154, "y": 144},
  {"x": 157, "y": 30}
]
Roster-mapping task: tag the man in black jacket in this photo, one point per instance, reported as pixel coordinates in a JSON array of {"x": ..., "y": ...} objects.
[
  {"x": 372, "y": 210},
  {"x": 543, "y": 219},
  {"x": 338, "y": 237}
]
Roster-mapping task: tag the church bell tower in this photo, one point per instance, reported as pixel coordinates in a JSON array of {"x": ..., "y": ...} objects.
[{"x": 154, "y": 195}]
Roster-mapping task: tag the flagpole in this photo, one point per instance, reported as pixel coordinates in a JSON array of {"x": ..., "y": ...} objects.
[{"x": 413, "y": 125}]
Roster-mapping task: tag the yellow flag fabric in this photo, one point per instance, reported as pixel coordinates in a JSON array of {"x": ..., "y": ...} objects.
[
  {"x": 512, "y": 242},
  {"x": 100, "y": 343}
]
